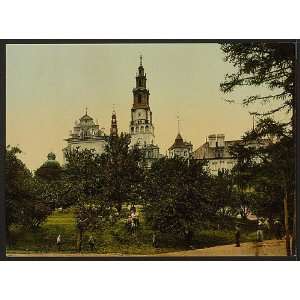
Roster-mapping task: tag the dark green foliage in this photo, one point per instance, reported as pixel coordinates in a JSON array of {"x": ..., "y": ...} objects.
[
  {"x": 177, "y": 196},
  {"x": 271, "y": 65},
  {"x": 25, "y": 199},
  {"x": 49, "y": 172},
  {"x": 123, "y": 172}
]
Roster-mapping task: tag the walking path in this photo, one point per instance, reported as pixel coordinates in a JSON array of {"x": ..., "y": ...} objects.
[{"x": 267, "y": 248}]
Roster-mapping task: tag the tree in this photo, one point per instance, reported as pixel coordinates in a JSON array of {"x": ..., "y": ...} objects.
[
  {"x": 263, "y": 64},
  {"x": 24, "y": 196},
  {"x": 84, "y": 172},
  {"x": 271, "y": 65},
  {"x": 90, "y": 214},
  {"x": 123, "y": 171},
  {"x": 223, "y": 195},
  {"x": 242, "y": 176},
  {"x": 177, "y": 196},
  {"x": 83, "y": 188}
]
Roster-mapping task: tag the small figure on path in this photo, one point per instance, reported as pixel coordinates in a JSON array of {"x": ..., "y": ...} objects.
[
  {"x": 259, "y": 232},
  {"x": 154, "y": 240},
  {"x": 237, "y": 235},
  {"x": 92, "y": 243},
  {"x": 132, "y": 226},
  {"x": 58, "y": 242}
]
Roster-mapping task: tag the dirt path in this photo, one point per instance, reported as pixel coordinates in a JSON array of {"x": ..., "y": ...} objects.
[{"x": 267, "y": 248}]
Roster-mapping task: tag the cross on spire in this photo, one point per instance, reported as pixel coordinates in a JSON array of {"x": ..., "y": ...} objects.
[
  {"x": 178, "y": 124},
  {"x": 86, "y": 109}
]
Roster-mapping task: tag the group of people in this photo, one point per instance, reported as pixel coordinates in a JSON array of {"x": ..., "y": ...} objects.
[
  {"x": 262, "y": 224},
  {"x": 132, "y": 223}
]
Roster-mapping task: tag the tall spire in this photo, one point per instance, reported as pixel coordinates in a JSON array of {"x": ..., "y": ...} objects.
[
  {"x": 253, "y": 122},
  {"x": 141, "y": 59},
  {"x": 86, "y": 109}
]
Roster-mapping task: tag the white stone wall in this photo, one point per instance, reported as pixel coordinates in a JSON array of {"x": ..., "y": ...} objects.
[{"x": 215, "y": 165}]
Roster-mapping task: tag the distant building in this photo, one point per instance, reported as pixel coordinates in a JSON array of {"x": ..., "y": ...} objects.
[
  {"x": 86, "y": 135},
  {"x": 141, "y": 127},
  {"x": 217, "y": 152},
  {"x": 180, "y": 148}
]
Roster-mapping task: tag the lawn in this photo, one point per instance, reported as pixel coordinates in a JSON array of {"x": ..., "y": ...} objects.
[{"x": 114, "y": 239}]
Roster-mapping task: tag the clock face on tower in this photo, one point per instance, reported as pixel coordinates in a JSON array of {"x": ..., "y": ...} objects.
[{"x": 141, "y": 114}]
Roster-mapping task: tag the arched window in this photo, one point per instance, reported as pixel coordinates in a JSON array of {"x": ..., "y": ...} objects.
[
  {"x": 132, "y": 129},
  {"x": 139, "y": 98},
  {"x": 147, "y": 128},
  {"x": 142, "y": 128}
]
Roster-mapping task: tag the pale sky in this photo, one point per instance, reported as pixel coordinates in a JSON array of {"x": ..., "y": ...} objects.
[{"x": 49, "y": 86}]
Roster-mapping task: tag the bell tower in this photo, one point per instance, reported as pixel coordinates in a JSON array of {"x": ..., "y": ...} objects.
[{"x": 141, "y": 128}]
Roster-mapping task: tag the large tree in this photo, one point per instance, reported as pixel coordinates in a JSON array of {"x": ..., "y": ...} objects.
[
  {"x": 123, "y": 171},
  {"x": 25, "y": 197},
  {"x": 269, "y": 65},
  {"x": 178, "y": 197}
]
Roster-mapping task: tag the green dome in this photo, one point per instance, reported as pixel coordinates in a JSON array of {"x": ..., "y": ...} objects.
[
  {"x": 51, "y": 156},
  {"x": 51, "y": 161}
]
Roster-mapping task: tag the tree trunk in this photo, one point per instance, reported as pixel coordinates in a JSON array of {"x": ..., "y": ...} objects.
[
  {"x": 119, "y": 207},
  {"x": 286, "y": 224},
  {"x": 79, "y": 240},
  {"x": 294, "y": 227}
]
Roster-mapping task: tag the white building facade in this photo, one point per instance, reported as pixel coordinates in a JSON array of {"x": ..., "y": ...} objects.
[
  {"x": 216, "y": 151},
  {"x": 86, "y": 135}
]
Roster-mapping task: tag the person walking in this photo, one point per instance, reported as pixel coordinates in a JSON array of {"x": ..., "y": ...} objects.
[
  {"x": 154, "y": 240},
  {"x": 259, "y": 232},
  {"x": 237, "y": 235},
  {"x": 58, "y": 242},
  {"x": 92, "y": 243}
]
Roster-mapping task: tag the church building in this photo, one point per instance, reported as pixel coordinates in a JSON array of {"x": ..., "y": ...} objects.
[
  {"x": 86, "y": 135},
  {"x": 141, "y": 127}
]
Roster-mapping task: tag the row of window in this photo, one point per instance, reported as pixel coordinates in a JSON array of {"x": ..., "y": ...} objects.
[
  {"x": 222, "y": 162},
  {"x": 141, "y": 129}
]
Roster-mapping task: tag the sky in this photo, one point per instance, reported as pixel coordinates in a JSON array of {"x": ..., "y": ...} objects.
[{"x": 48, "y": 88}]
